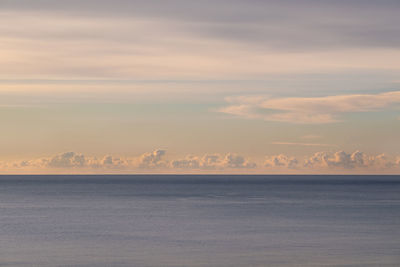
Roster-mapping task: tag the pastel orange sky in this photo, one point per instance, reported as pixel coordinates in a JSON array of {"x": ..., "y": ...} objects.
[{"x": 199, "y": 86}]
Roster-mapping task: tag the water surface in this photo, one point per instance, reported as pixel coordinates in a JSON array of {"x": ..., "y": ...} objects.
[{"x": 169, "y": 220}]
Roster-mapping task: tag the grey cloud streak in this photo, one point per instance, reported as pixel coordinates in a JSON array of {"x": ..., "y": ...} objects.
[{"x": 284, "y": 25}]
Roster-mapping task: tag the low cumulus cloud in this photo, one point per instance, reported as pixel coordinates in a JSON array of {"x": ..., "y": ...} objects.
[
  {"x": 345, "y": 160},
  {"x": 282, "y": 161},
  {"x": 156, "y": 161},
  {"x": 73, "y": 160},
  {"x": 311, "y": 110},
  {"x": 152, "y": 159},
  {"x": 339, "y": 160},
  {"x": 190, "y": 162},
  {"x": 110, "y": 162},
  {"x": 147, "y": 161},
  {"x": 213, "y": 162},
  {"x": 237, "y": 161},
  {"x": 67, "y": 160}
]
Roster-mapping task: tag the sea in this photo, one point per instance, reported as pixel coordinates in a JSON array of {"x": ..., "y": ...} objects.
[{"x": 199, "y": 220}]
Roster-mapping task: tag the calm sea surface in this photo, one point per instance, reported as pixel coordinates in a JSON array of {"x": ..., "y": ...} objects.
[{"x": 199, "y": 220}]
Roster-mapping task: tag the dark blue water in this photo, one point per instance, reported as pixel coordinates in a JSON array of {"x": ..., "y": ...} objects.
[{"x": 199, "y": 220}]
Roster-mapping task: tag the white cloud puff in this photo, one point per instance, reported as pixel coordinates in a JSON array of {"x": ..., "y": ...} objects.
[
  {"x": 152, "y": 159},
  {"x": 281, "y": 161},
  {"x": 67, "y": 160},
  {"x": 110, "y": 162},
  {"x": 213, "y": 161},
  {"x": 190, "y": 162},
  {"x": 344, "y": 160},
  {"x": 308, "y": 110},
  {"x": 236, "y": 161}
]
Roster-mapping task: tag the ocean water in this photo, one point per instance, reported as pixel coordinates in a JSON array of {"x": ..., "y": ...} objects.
[{"x": 199, "y": 220}]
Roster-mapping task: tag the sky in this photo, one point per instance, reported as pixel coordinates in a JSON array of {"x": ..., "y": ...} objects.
[{"x": 305, "y": 86}]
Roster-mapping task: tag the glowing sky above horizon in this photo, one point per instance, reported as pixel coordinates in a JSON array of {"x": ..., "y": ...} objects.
[{"x": 222, "y": 86}]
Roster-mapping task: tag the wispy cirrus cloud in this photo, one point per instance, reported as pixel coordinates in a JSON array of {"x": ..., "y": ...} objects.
[{"x": 311, "y": 110}]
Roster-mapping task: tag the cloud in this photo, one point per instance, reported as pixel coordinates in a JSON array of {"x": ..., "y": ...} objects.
[
  {"x": 70, "y": 160},
  {"x": 236, "y": 161},
  {"x": 308, "y": 110},
  {"x": 67, "y": 160},
  {"x": 190, "y": 162},
  {"x": 338, "y": 159},
  {"x": 146, "y": 161},
  {"x": 382, "y": 161},
  {"x": 331, "y": 161},
  {"x": 73, "y": 160},
  {"x": 282, "y": 161},
  {"x": 300, "y": 24},
  {"x": 191, "y": 39},
  {"x": 213, "y": 162},
  {"x": 344, "y": 160},
  {"x": 152, "y": 160},
  {"x": 112, "y": 162},
  {"x": 155, "y": 161}
]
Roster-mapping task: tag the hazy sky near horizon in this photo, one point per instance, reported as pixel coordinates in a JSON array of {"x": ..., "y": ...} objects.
[{"x": 200, "y": 86}]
